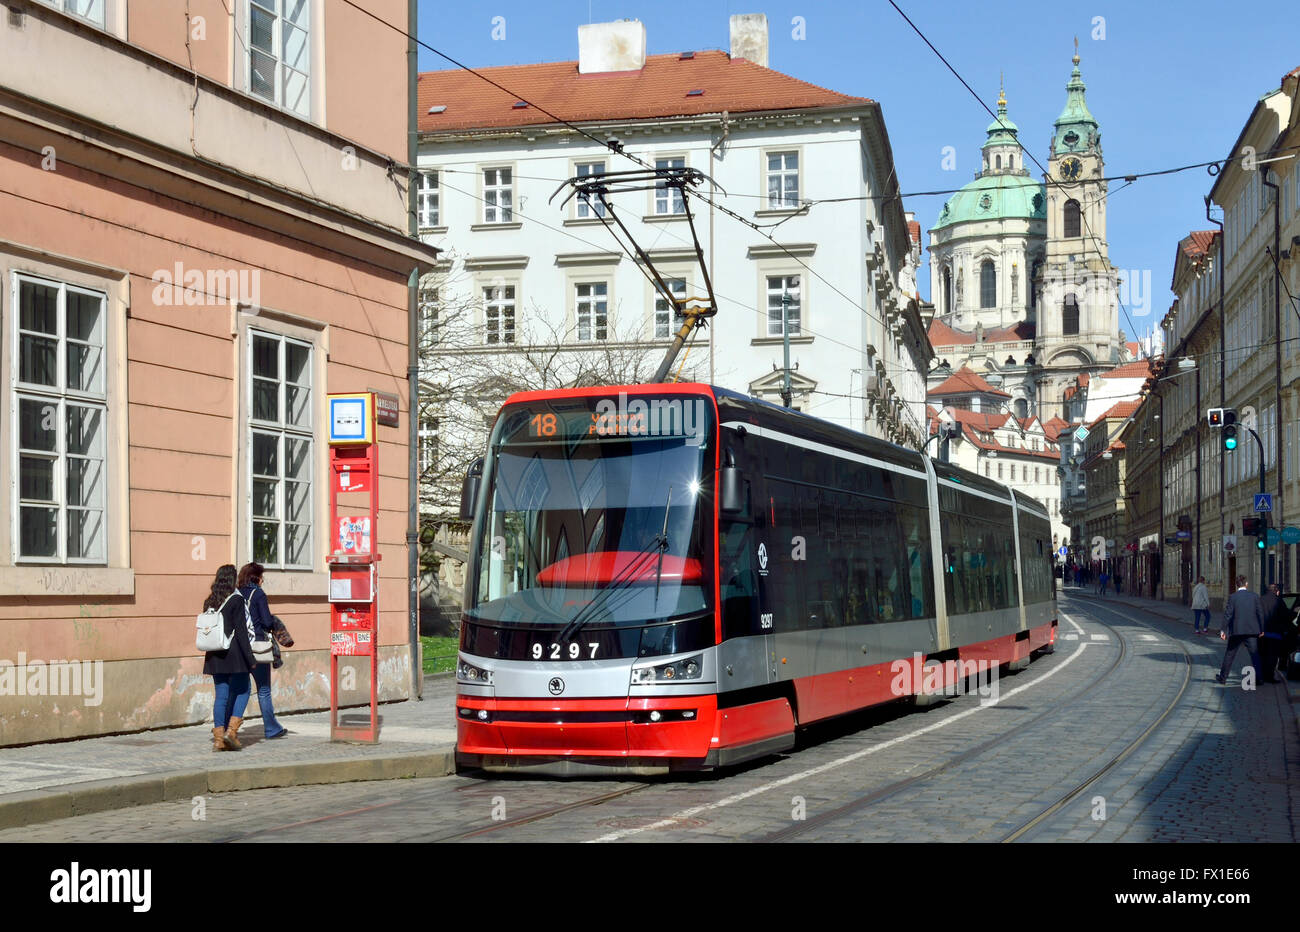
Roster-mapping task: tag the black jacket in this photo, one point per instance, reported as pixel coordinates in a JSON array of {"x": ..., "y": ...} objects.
[
  {"x": 263, "y": 620},
  {"x": 1243, "y": 615},
  {"x": 239, "y": 657},
  {"x": 1277, "y": 617}
]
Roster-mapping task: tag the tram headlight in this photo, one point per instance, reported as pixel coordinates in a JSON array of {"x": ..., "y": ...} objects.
[
  {"x": 468, "y": 673},
  {"x": 689, "y": 668}
]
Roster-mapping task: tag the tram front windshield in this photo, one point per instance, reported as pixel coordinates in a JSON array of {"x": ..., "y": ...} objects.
[{"x": 596, "y": 519}]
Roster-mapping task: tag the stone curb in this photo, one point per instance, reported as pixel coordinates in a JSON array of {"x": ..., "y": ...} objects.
[{"x": 73, "y": 799}]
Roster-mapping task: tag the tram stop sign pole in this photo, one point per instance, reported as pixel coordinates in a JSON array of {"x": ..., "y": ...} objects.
[{"x": 353, "y": 593}]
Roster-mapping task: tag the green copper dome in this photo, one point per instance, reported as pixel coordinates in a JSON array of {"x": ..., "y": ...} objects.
[
  {"x": 1076, "y": 127},
  {"x": 994, "y": 196},
  {"x": 1002, "y": 132}
]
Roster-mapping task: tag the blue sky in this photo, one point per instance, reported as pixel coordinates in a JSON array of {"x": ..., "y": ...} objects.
[{"x": 1170, "y": 84}]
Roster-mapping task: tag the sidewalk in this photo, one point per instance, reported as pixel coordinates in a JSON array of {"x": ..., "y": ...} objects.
[{"x": 52, "y": 781}]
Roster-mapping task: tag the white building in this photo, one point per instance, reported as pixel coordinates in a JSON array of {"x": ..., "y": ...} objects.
[{"x": 530, "y": 277}]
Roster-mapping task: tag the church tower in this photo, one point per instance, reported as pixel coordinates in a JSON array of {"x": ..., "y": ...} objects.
[{"x": 1078, "y": 303}]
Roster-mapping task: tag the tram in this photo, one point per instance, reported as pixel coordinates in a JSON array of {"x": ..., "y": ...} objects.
[{"x": 678, "y": 576}]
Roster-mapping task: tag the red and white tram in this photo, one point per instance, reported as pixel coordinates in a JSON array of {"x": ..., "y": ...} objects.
[{"x": 680, "y": 576}]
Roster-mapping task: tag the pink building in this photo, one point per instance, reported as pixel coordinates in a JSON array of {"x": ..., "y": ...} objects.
[{"x": 203, "y": 230}]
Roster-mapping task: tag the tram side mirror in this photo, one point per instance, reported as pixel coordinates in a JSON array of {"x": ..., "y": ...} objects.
[
  {"x": 469, "y": 490},
  {"x": 732, "y": 481}
]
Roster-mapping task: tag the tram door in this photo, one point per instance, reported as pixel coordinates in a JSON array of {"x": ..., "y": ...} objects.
[{"x": 744, "y": 550}]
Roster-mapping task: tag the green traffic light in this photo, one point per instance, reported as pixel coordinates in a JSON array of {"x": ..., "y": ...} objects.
[{"x": 1260, "y": 544}]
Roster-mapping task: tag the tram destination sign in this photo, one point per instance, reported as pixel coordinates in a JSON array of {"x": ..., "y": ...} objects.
[{"x": 621, "y": 415}]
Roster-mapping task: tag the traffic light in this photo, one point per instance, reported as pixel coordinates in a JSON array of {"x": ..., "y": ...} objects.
[
  {"x": 1251, "y": 527},
  {"x": 1216, "y": 417},
  {"x": 1229, "y": 437},
  {"x": 1226, "y": 419},
  {"x": 1262, "y": 542}
]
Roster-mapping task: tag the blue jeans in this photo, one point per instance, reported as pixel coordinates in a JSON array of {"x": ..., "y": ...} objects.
[
  {"x": 231, "y": 698},
  {"x": 1199, "y": 615},
  {"x": 262, "y": 674}
]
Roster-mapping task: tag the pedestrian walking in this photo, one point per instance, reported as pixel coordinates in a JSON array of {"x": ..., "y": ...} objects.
[
  {"x": 1200, "y": 607},
  {"x": 1102, "y": 581},
  {"x": 229, "y": 668},
  {"x": 1119, "y": 583},
  {"x": 250, "y": 590},
  {"x": 1277, "y": 624},
  {"x": 1243, "y": 620}
]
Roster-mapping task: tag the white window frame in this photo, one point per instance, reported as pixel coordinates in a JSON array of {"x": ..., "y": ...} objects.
[
  {"x": 428, "y": 449},
  {"x": 501, "y": 214},
  {"x": 671, "y": 318},
  {"x": 59, "y": 396},
  {"x": 494, "y": 324},
  {"x": 798, "y": 313},
  {"x": 594, "y": 304},
  {"x": 430, "y": 305},
  {"x": 75, "y": 7},
  {"x": 584, "y": 209},
  {"x": 783, "y": 202},
  {"x": 663, "y": 202},
  {"x": 284, "y": 430},
  {"x": 276, "y": 9},
  {"x": 428, "y": 201}
]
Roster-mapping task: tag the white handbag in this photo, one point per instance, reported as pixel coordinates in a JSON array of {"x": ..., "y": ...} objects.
[
  {"x": 263, "y": 651},
  {"x": 211, "y": 630}
]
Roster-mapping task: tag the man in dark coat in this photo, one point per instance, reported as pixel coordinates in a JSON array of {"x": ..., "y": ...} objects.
[
  {"x": 1277, "y": 625},
  {"x": 1243, "y": 622}
]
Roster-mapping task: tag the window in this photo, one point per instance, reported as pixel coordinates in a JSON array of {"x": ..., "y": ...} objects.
[
  {"x": 998, "y": 162},
  {"x": 428, "y": 444},
  {"x": 779, "y": 286},
  {"x": 499, "y": 313},
  {"x": 988, "y": 284},
  {"x": 498, "y": 196},
  {"x": 61, "y": 424},
  {"x": 92, "y": 10},
  {"x": 429, "y": 309},
  {"x": 1070, "y": 316},
  {"x": 665, "y": 316},
  {"x": 279, "y": 53},
  {"x": 782, "y": 180},
  {"x": 669, "y": 200},
  {"x": 280, "y": 440},
  {"x": 590, "y": 208},
  {"x": 427, "y": 199},
  {"x": 1072, "y": 218},
  {"x": 947, "y": 290},
  {"x": 592, "y": 310}
]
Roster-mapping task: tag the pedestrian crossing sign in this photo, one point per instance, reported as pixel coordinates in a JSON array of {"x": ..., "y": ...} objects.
[{"x": 1263, "y": 502}]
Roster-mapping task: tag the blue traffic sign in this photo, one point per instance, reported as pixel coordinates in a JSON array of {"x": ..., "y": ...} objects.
[
  {"x": 1064, "y": 551},
  {"x": 1273, "y": 536},
  {"x": 1263, "y": 502}
]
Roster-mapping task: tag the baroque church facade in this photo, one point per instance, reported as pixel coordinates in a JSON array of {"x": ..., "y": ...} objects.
[{"x": 1023, "y": 290}]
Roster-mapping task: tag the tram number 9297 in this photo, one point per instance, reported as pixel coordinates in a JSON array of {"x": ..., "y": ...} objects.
[{"x": 561, "y": 652}]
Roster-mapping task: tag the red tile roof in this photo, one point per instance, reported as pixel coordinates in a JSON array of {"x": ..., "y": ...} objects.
[
  {"x": 964, "y": 381},
  {"x": 1134, "y": 348},
  {"x": 1118, "y": 410},
  {"x": 1137, "y": 369},
  {"x": 943, "y": 335},
  {"x": 1023, "y": 330},
  {"x": 1052, "y": 428},
  {"x": 1198, "y": 242},
  {"x": 914, "y": 228},
  {"x": 658, "y": 90}
]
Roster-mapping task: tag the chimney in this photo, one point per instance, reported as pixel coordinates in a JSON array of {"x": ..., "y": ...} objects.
[
  {"x": 604, "y": 47},
  {"x": 749, "y": 37}
]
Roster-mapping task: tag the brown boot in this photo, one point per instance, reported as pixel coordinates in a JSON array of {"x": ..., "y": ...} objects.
[
  {"x": 218, "y": 739},
  {"x": 232, "y": 735}
]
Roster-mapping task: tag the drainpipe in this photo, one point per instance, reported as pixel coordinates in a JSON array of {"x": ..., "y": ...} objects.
[
  {"x": 413, "y": 363},
  {"x": 1277, "y": 342},
  {"x": 1223, "y": 379}
]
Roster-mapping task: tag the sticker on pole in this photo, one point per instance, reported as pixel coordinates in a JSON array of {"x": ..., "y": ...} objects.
[
  {"x": 350, "y": 643},
  {"x": 1263, "y": 501},
  {"x": 354, "y": 535}
]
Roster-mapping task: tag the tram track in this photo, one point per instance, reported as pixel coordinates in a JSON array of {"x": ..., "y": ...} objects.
[
  {"x": 1132, "y": 746},
  {"x": 883, "y": 793}
]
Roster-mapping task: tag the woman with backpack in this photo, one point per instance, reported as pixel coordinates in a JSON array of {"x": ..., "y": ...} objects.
[
  {"x": 229, "y": 668},
  {"x": 264, "y": 624}
]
